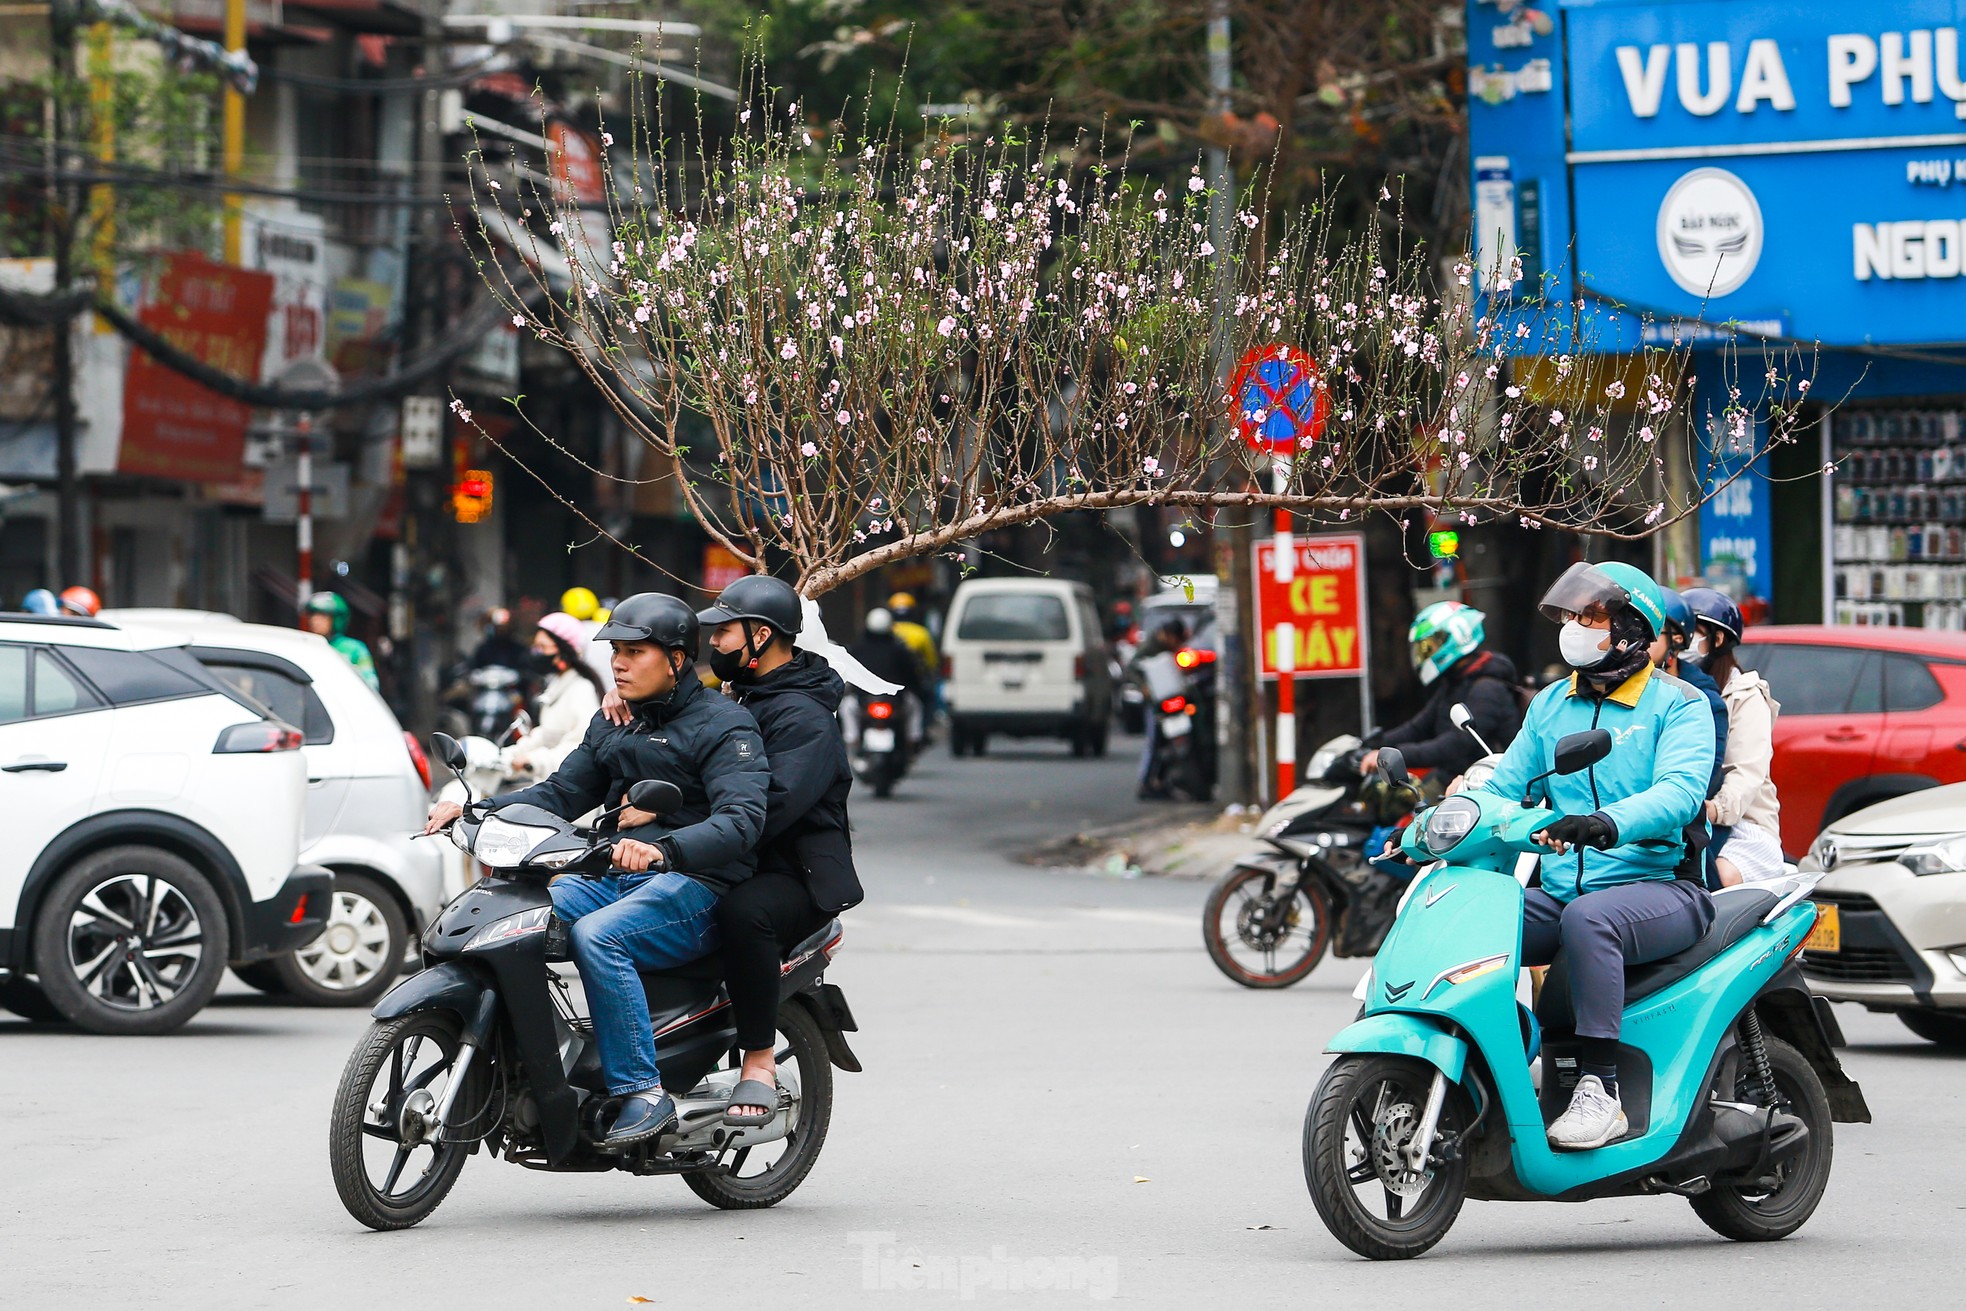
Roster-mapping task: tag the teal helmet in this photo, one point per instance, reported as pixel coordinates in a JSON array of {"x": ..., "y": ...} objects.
[
  {"x": 1611, "y": 585},
  {"x": 1443, "y": 633},
  {"x": 331, "y": 605}
]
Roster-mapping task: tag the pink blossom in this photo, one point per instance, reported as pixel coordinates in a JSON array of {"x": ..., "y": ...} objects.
[
  {"x": 1195, "y": 183},
  {"x": 808, "y": 450},
  {"x": 843, "y": 418},
  {"x": 947, "y": 326}
]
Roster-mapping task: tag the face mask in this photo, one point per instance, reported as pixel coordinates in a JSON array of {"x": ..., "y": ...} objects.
[
  {"x": 1696, "y": 652},
  {"x": 1583, "y": 648},
  {"x": 542, "y": 663},
  {"x": 728, "y": 666}
]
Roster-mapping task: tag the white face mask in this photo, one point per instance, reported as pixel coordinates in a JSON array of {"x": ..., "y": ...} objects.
[
  {"x": 1583, "y": 648},
  {"x": 1696, "y": 650}
]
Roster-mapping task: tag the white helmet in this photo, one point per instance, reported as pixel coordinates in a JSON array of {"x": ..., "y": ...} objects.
[{"x": 879, "y": 621}]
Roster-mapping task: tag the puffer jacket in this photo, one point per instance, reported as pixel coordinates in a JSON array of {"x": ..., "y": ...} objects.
[
  {"x": 1747, "y": 791},
  {"x": 565, "y": 709},
  {"x": 705, "y": 744},
  {"x": 806, "y": 832},
  {"x": 1651, "y": 785}
]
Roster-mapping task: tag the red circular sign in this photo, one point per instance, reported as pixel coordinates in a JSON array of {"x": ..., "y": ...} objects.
[{"x": 1280, "y": 407}]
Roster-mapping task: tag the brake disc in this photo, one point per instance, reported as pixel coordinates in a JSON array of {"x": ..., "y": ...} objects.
[{"x": 1390, "y": 1137}]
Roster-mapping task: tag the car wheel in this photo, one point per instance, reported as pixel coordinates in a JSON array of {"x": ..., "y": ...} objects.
[
  {"x": 23, "y": 996},
  {"x": 1947, "y": 1031},
  {"x": 359, "y": 953},
  {"x": 131, "y": 940},
  {"x": 260, "y": 975}
]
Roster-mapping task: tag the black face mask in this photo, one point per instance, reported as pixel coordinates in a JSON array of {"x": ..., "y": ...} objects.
[
  {"x": 728, "y": 666},
  {"x": 541, "y": 663}
]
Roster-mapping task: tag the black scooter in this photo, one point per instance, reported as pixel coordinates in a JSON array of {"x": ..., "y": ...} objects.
[
  {"x": 882, "y": 751},
  {"x": 489, "y": 1048}
]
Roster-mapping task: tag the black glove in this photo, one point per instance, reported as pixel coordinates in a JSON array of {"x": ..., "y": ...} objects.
[{"x": 1583, "y": 831}]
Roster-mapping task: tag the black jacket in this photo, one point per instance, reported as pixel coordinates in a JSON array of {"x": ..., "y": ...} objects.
[
  {"x": 887, "y": 656},
  {"x": 705, "y": 744},
  {"x": 806, "y": 832},
  {"x": 1485, "y": 682}
]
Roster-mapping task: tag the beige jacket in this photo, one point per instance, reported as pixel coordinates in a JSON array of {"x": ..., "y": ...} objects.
[
  {"x": 1747, "y": 792},
  {"x": 566, "y": 707}
]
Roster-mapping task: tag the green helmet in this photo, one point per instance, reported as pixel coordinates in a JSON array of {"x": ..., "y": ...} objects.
[
  {"x": 1443, "y": 633},
  {"x": 331, "y": 605},
  {"x": 1610, "y": 584}
]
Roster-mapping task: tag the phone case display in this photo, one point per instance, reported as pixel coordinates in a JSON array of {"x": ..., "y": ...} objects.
[{"x": 1898, "y": 538}]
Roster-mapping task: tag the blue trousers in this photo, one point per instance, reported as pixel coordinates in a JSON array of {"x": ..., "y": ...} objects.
[
  {"x": 1603, "y": 931},
  {"x": 623, "y": 924}
]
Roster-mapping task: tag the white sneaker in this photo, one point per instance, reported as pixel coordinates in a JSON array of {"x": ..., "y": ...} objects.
[{"x": 1594, "y": 1118}]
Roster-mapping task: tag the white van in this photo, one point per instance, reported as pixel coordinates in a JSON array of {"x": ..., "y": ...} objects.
[{"x": 1024, "y": 656}]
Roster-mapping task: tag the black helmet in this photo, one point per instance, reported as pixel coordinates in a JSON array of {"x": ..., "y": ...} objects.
[
  {"x": 652, "y": 617},
  {"x": 758, "y": 597}
]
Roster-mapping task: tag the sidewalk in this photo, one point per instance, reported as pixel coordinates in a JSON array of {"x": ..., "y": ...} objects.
[{"x": 1179, "y": 841}]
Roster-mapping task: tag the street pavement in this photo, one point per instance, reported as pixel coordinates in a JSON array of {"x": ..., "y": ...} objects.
[{"x": 1063, "y": 1103}]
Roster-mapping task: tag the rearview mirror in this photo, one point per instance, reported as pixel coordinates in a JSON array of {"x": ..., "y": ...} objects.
[
  {"x": 1459, "y": 715},
  {"x": 450, "y": 751},
  {"x": 1392, "y": 765},
  {"x": 1577, "y": 752},
  {"x": 658, "y": 796}
]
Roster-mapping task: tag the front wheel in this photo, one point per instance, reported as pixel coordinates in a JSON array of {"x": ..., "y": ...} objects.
[
  {"x": 389, "y": 1167},
  {"x": 1776, "y": 1206},
  {"x": 1363, "y": 1116},
  {"x": 1262, "y": 938},
  {"x": 765, "y": 1175}
]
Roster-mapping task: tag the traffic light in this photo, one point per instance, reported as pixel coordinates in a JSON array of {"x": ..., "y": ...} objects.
[
  {"x": 471, "y": 496},
  {"x": 1443, "y": 543}
]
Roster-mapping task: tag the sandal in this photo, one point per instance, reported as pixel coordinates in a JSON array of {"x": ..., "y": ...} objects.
[{"x": 742, "y": 1095}]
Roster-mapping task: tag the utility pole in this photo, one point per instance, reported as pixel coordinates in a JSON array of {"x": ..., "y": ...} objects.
[
  {"x": 63, "y": 212},
  {"x": 1233, "y": 596},
  {"x": 235, "y": 132}
]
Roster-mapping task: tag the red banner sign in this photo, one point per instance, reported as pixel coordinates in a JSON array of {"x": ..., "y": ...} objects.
[
  {"x": 172, "y": 426},
  {"x": 1324, "y": 604}
]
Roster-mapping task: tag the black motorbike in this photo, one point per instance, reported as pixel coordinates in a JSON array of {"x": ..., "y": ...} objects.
[
  {"x": 1274, "y": 915},
  {"x": 881, "y": 749},
  {"x": 489, "y": 1048}
]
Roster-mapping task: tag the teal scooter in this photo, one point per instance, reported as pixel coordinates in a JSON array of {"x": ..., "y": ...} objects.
[{"x": 1726, "y": 1064}]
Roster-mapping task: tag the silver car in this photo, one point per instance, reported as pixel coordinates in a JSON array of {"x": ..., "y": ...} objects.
[
  {"x": 368, "y": 790},
  {"x": 1891, "y": 932}
]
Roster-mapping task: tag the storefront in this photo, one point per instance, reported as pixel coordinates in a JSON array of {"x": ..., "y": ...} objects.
[{"x": 1788, "y": 176}]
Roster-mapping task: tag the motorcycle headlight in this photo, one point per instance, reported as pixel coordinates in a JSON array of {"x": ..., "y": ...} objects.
[
  {"x": 1449, "y": 822},
  {"x": 460, "y": 839},
  {"x": 1947, "y": 857},
  {"x": 512, "y": 926},
  {"x": 502, "y": 844},
  {"x": 559, "y": 859}
]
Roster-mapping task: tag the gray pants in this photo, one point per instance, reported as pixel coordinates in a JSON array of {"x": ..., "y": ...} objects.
[{"x": 1601, "y": 932}]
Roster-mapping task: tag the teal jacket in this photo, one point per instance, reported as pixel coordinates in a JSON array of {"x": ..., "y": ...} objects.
[
  {"x": 1650, "y": 786},
  {"x": 356, "y": 652}
]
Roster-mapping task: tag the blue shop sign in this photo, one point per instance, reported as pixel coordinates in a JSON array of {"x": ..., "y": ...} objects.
[{"x": 1799, "y": 168}]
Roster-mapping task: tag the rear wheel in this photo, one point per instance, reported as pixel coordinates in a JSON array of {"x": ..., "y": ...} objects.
[
  {"x": 1946, "y": 1030},
  {"x": 1361, "y": 1120},
  {"x": 1262, "y": 938},
  {"x": 131, "y": 940},
  {"x": 387, "y": 1168},
  {"x": 1776, "y": 1206},
  {"x": 765, "y": 1175},
  {"x": 24, "y": 998},
  {"x": 359, "y": 953}
]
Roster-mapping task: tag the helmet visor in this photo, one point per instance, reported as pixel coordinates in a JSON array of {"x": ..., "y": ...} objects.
[
  {"x": 1424, "y": 649},
  {"x": 616, "y": 631},
  {"x": 1584, "y": 591}
]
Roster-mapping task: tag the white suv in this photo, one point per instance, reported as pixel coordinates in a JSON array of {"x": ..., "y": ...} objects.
[
  {"x": 368, "y": 791},
  {"x": 151, "y": 822}
]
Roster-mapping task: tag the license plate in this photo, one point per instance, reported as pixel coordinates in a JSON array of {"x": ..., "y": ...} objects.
[
  {"x": 1176, "y": 726},
  {"x": 1828, "y": 933},
  {"x": 877, "y": 739},
  {"x": 1013, "y": 685}
]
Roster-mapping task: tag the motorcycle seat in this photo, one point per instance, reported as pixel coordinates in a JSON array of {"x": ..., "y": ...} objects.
[
  {"x": 1736, "y": 911},
  {"x": 710, "y": 968}
]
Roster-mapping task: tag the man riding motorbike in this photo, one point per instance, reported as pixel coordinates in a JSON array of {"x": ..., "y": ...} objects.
[
  {"x": 1616, "y": 900},
  {"x": 882, "y": 650},
  {"x": 805, "y": 854},
  {"x": 326, "y": 615},
  {"x": 658, "y": 910},
  {"x": 1446, "y": 641}
]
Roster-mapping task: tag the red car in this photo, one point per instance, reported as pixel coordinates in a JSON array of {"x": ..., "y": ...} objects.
[{"x": 1867, "y": 714}]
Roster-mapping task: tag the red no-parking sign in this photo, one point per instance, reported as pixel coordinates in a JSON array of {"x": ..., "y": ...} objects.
[{"x": 1280, "y": 408}]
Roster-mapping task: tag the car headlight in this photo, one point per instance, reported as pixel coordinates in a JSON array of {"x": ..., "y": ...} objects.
[
  {"x": 1449, "y": 822},
  {"x": 512, "y": 926},
  {"x": 502, "y": 844},
  {"x": 1947, "y": 857}
]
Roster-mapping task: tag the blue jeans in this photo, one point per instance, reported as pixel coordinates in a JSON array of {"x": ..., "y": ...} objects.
[{"x": 622, "y": 924}]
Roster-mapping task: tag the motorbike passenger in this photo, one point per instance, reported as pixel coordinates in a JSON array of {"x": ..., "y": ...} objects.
[
  {"x": 805, "y": 854},
  {"x": 80, "y": 601},
  {"x": 1446, "y": 643},
  {"x": 326, "y": 614},
  {"x": 883, "y": 651},
  {"x": 498, "y": 646},
  {"x": 567, "y": 703},
  {"x": 1617, "y": 899},
  {"x": 40, "y": 601},
  {"x": 658, "y": 908},
  {"x": 1745, "y": 811},
  {"x": 1169, "y": 636}
]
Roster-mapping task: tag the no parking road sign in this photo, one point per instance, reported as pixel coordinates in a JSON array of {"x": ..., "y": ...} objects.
[{"x": 1279, "y": 406}]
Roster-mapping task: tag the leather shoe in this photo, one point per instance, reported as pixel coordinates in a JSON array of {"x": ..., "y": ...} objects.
[{"x": 642, "y": 1116}]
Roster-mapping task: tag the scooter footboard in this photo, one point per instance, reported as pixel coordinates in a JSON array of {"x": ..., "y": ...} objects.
[{"x": 1401, "y": 1033}]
